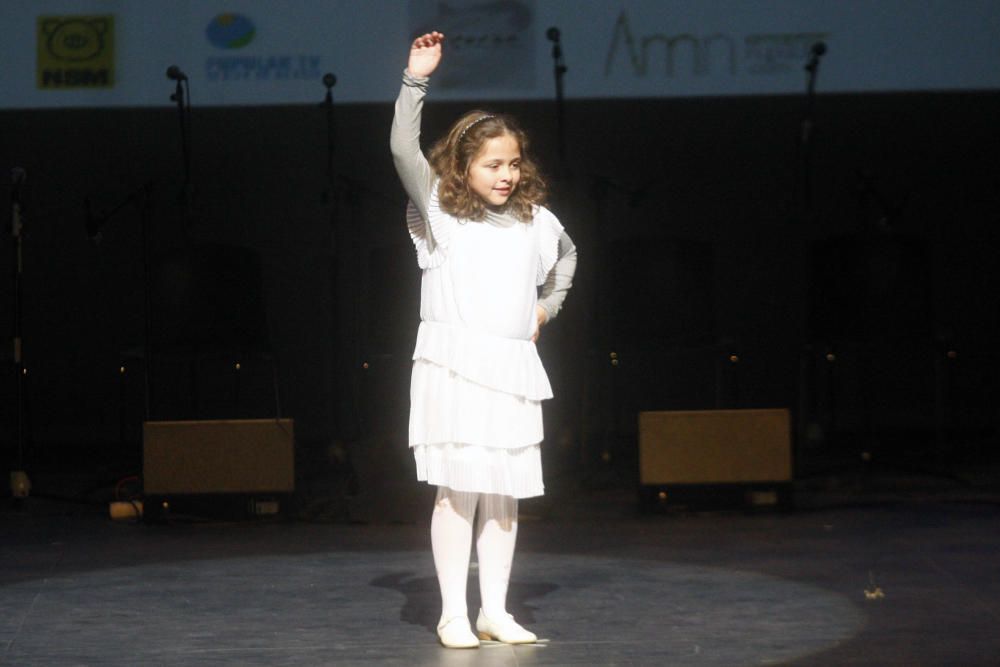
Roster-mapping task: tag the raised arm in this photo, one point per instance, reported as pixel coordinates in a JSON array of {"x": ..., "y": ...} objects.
[{"x": 411, "y": 165}]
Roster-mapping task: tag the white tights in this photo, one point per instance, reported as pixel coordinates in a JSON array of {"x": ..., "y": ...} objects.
[{"x": 451, "y": 542}]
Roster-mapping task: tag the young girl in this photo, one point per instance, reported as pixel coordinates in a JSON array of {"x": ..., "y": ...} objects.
[{"x": 485, "y": 245}]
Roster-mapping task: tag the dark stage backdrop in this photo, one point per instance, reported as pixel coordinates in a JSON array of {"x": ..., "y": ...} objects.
[{"x": 693, "y": 244}]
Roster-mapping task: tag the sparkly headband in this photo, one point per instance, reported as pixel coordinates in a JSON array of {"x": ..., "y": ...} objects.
[{"x": 473, "y": 124}]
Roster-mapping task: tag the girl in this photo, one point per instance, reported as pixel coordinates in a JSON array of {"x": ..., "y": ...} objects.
[{"x": 485, "y": 244}]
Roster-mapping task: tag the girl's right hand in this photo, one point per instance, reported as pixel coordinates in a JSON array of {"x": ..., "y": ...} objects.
[{"x": 425, "y": 54}]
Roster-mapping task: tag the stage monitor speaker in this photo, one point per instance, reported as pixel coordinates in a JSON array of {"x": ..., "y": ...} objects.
[
  {"x": 719, "y": 455},
  {"x": 242, "y": 456}
]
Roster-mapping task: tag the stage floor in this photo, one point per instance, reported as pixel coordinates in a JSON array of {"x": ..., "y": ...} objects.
[{"x": 906, "y": 582}]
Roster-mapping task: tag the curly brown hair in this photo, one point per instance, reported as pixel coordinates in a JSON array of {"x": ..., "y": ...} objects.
[{"x": 451, "y": 156}]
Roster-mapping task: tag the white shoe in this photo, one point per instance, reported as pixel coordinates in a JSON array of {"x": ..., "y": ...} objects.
[
  {"x": 505, "y": 630},
  {"x": 456, "y": 633}
]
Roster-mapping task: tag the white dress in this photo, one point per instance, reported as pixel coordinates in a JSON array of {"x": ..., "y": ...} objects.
[{"x": 477, "y": 383}]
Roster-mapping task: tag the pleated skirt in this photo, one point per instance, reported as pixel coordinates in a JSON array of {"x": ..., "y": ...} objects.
[{"x": 470, "y": 437}]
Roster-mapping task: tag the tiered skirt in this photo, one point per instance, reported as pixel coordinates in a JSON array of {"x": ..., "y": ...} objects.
[{"x": 476, "y": 412}]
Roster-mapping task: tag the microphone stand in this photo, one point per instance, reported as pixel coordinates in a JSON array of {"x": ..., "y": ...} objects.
[
  {"x": 183, "y": 102},
  {"x": 559, "y": 70},
  {"x": 19, "y": 482},
  {"x": 601, "y": 402},
  {"x": 808, "y": 124},
  {"x": 332, "y": 197},
  {"x": 808, "y": 379},
  {"x": 142, "y": 195}
]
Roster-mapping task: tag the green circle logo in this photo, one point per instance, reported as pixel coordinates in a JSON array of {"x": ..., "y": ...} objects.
[{"x": 230, "y": 31}]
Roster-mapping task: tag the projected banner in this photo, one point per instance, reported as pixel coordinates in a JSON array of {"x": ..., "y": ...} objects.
[{"x": 248, "y": 52}]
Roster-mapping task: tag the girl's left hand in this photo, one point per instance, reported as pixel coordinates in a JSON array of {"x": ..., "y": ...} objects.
[{"x": 543, "y": 317}]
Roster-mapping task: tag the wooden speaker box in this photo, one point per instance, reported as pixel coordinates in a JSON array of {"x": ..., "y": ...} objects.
[
  {"x": 715, "y": 458},
  {"x": 224, "y": 464}
]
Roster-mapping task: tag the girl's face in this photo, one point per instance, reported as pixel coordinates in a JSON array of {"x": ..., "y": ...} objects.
[{"x": 496, "y": 170}]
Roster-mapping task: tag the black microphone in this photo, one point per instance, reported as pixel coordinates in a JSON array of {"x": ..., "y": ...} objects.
[
  {"x": 817, "y": 50},
  {"x": 552, "y": 34},
  {"x": 329, "y": 80},
  {"x": 174, "y": 73}
]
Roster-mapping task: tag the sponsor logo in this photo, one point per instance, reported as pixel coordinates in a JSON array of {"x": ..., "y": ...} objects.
[
  {"x": 663, "y": 52},
  {"x": 230, "y": 31},
  {"x": 263, "y": 68},
  {"x": 236, "y": 31},
  {"x": 686, "y": 54},
  {"x": 75, "y": 52},
  {"x": 779, "y": 52},
  {"x": 497, "y": 36}
]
